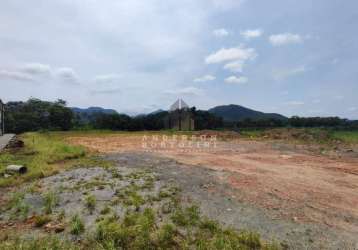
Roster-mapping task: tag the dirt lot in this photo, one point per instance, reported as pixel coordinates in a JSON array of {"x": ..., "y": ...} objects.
[{"x": 289, "y": 192}]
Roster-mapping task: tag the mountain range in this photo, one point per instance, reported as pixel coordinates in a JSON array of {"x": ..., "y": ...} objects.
[
  {"x": 92, "y": 110},
  {"x": 229, "y": 113},
  {"x": 234, "y": 113}
]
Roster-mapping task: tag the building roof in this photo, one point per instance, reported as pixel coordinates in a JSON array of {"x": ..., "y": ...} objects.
[{"x": 179, "y": 105}]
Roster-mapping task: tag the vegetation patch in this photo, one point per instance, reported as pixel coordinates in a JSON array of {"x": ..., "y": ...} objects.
[
  {"x": 77, "y": 226},
  {"x": 50, "y": 201},
  {"x": 90, "y": 202},
  {"x": 45, "y": 154},
  {"x": 42, "y": 220}
]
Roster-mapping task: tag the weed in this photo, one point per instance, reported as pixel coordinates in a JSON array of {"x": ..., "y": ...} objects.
[
  {"x": 50, "y": 201},
  {"x": 15, "y": 199},
  {"x": 135, "y": 200},
  {"x": 116, "y": 174},
  {"x": 209, "y": 225},
  {"x": 17, "y": 203},
  {"x": 105, "y": 210},
  {"x": 90, "y": 202},
  {"x": 48, "y": 242},
  {"x": 168, "y": 207},
  {"x": 165, "y": 236},
  {"x": 77, "y": 225},
  {"x": 41, "y": 220},
  {"x": 61, "y": 216},
  {"x": 148, "y": 182},
  {"x": 22, "y": 210},
  {"x": 189, "y": 216}
]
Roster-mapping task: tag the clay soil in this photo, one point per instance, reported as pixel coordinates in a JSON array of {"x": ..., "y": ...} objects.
[{"x": 289, "y": 182}]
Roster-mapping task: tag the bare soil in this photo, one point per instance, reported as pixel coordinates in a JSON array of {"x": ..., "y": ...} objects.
[{"x": 284, "y": 191}]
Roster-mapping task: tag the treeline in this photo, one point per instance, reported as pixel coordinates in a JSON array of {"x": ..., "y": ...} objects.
[
  {"x": 157, "y": 121},
  {"x": 35, "y": 115},
  {"x": 298, "y": 122}
]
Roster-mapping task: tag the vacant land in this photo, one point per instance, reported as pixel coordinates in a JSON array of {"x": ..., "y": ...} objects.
[{"x": 298, "y": 188}]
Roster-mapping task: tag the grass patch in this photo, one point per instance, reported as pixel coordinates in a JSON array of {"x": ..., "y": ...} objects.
[
  {"x": 42, "y": 220},
  {"x": 105, "y": 210},
  {"x": 46, "y": 154},
  {"x": 43, "y": 243},
  {"x": 346, "y": 136},
  {"x": 50, "y": 201},
  {"x": 189, "y": 216},
  {"x": 140, "y": 231},
  {"x": 18, "y": 205},
  {"x": 77, "y": 226},
  {"x": 90, "y": 202}
]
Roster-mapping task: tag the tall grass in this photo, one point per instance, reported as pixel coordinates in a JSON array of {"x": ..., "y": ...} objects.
[
  {"x": 346, "y": 136},
  {"x": 44, "y": 154}
]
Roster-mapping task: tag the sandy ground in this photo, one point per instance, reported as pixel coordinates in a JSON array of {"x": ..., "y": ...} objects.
[{"x": 286, "y": 183}]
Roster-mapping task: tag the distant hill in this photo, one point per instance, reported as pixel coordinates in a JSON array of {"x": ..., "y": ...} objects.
[
  {"x": 233, "y": 113},
  {"x": 92, "y": 110},
  {"x": 89, "y": 114},
  {"x": 156, "y": 112}
]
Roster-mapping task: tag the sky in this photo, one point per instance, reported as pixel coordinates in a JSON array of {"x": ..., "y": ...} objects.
[{"x": 284, "y": 56}]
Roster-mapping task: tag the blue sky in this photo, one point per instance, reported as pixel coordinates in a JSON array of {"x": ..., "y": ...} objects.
[{"x": 285, "y": 56}]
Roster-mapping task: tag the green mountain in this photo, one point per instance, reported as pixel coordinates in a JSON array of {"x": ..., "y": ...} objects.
[
  {"x": 89, "y": 114},
  {"x": 234, "y": 113}
]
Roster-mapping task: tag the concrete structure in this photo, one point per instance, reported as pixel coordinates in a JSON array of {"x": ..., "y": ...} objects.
[
  {"x": 181, "y": 117},
  {"x": 2, "y": 118}
]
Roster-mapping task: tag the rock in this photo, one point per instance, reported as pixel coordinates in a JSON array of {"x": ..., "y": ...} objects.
[{"x": 57, "y": 228}]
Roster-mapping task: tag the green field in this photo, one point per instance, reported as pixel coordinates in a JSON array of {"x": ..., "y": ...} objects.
[{"x": 346, "y": 136}]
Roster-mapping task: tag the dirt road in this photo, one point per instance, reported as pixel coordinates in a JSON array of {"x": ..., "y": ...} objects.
[{"x": 283, "y": 184}]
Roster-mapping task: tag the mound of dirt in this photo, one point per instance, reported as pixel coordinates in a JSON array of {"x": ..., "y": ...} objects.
[{"x": 294, "y": 134}]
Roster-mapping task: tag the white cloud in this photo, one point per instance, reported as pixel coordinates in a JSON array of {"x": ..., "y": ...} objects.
[
  {"x": 67, "y": 75},
  {"x": 285, "y": 73},
  {"x": 15, "y": 75},
  {"x": 110, "y": 78},
  {"x": 235, "y": 66},
  {"x": 205, "y": 78},
  {"x": 237, "y": 80},
  {"x": 285, "y": 38},
  {"x": 236, "y": 57},
  {"x": 295, "y": 103},
  {"x": 188, "y": 91},
  {"x": 221, "y": 32},
  {"x": 352, "y": 109},
  {"x": 232, "y": 54},
  {"x": 248, "y": 34},
  {"x": 316, "y": 101},
  {"x": 36, "y": 68}
]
